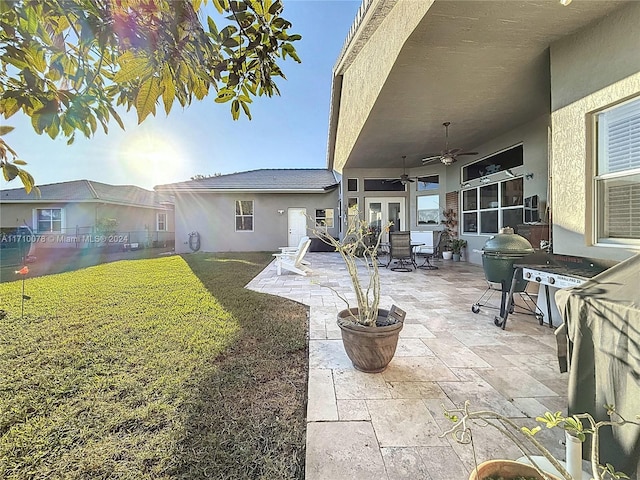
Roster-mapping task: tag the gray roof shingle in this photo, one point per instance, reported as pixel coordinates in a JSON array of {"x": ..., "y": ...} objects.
[
  {"x": 88, "y": 190},
  {"x": 299, "y": 179}
]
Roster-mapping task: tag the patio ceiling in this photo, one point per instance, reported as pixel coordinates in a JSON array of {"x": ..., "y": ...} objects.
[{"x": 481, "y": 65}]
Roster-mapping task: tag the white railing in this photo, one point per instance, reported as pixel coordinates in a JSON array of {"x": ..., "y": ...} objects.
[{"x": 362, "y": 11}]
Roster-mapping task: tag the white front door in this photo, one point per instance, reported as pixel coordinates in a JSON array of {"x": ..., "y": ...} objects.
[
  {"x": 297, "y": 225},
  {"x": 381, "y": 211}
]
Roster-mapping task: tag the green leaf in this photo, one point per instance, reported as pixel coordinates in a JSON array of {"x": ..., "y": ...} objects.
[
  {"x": 132, "y": 67},
  {"x": 224, "y": 95},
  {"x": 235, "y": 110},
  {"x": 213, "y": 29},
  {"x": 9, "y": 171},
  {"x": 27, "y": 180},
  {"x": 532, "y": 431},
  {"x": 116, "y": 116},
  {"x": 146, "y": 98},
  {"x": 168, "y": 90},
  {"x": 246, "y": 110}
]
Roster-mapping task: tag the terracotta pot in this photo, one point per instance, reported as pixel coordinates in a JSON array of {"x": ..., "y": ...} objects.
[
  {"x": 370, "y": 349},
  {"x": 507, "y": 469}
]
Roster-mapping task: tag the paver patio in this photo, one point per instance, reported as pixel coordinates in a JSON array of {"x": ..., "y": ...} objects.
[{"x": 387, "y": 426}]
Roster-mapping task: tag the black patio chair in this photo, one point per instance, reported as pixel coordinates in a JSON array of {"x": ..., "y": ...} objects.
[{"x": 400, "y": 252}]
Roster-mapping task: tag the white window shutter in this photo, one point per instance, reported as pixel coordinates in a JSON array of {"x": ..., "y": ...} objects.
[{"x": 621, "y": 138}]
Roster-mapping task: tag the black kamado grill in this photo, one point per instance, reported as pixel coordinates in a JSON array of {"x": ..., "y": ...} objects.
[{"x": 500, "y": 253}]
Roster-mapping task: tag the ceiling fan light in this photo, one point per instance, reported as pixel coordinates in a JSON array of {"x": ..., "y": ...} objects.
[{"x": 447, "y": 159}]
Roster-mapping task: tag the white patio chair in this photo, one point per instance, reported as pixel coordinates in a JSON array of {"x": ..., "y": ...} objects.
[
  {"x": 293, "y": 261},
  {"x": 294, "y": 250}
]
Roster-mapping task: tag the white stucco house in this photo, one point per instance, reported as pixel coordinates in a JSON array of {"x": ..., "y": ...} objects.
[{"x": 257, "y": 210}]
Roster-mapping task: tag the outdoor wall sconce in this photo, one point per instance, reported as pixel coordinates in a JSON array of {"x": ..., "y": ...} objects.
[
  {"x": 528, "y": 176},
  {"x": 281, "y": 212}
]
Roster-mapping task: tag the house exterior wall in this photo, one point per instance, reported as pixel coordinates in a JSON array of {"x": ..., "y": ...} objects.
[
  {"x": 212, "y": 215},
  {"x": 80, "y": 218},
  {"x": 590, "y": 70},
  {"x": 364, "y": 78},
  {"x": 534, "y": 137}
]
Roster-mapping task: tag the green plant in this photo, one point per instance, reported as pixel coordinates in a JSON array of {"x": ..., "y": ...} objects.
[
  {"x": 524, "y": 437},
  {"x": 457, "y": 245},
  {"x": 359, "y": 247}
]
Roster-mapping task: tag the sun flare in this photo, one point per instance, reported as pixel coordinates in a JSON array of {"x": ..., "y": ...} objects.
[{"x": 152, "y": 157}]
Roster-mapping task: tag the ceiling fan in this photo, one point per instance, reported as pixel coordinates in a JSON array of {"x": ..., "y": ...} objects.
[
  {"x": 404, "y": 178},
  {"x": 448, "y": 155}
]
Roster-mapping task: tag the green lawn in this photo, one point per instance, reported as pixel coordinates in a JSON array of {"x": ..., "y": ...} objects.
[{"x": 157, "y": 368}]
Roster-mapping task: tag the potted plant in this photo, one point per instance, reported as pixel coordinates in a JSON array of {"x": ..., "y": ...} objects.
[
  {"x": 369, "y": 333},
  {"x": 450, "y": 232},
  {"x": 457, "y": 245},
  {"x": 577, "y": 427}
]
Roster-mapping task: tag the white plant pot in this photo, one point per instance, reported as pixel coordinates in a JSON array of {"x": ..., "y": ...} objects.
[{"x": 447, "y": 255}]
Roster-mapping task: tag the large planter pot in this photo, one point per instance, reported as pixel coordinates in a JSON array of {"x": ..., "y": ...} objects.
[
  {"x": 456, "y": 257},
  {"x": 370, "y": 349},
  {"x": 447, "y": 255},
  {"x": 506, "y": 469}
]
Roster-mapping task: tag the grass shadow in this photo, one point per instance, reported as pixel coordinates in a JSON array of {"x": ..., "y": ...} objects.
[{"x": 247, "y": 417}]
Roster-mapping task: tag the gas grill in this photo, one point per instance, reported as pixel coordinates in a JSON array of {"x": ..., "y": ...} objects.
[{"x": 559, "y": 271}]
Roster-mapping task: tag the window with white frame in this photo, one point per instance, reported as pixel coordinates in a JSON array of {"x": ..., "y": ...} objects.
[
  {"x": 324, "y": 217},
  {"x": 617, "y": 176},
  {"x": 488, "y": 208},
  {"x": 161, "y": 222},
  {"x": 49, "y": 220},
  {"x": 428, "y": 200},
  {"x": 244, "y": 215}
]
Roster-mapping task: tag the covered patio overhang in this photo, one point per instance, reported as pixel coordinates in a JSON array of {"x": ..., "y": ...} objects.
[{"x": 409, "y": 66}]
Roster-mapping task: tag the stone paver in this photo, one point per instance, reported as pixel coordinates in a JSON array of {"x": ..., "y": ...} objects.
[{"x": 388, "y": 426}]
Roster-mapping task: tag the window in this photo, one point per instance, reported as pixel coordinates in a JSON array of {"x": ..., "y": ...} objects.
[
  {"x": 352, "y": 210},
  {"x": 244, "y": 215},
  {"x": 617, "y": 179},
  {"x": 352, "y": 185},
  {"x": 324, "y": 218},
  {"x": 498, "y": 162},
  {"x": 428, "y": 203},
  {"x": 161, "y": 223},
  {"x": 487, "y": 209},
  {"x": 428, "y": 209},
  {"x": 428, "y": 183},
  {"x": 383, "y": 185},
  {"x": 49, "y": 220}
]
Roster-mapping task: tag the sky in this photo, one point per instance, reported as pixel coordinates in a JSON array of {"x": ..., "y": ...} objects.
[{"x": 289, "y": 131}]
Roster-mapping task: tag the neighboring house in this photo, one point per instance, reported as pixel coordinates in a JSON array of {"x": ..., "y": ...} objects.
[
  {"x": 71, "y": 214},
  {"x": 547, "y": 94},
  {"x": 258, "y": 210}
]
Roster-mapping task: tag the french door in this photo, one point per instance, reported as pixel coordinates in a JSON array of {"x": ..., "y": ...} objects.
[{"x": 380, "y": 211}]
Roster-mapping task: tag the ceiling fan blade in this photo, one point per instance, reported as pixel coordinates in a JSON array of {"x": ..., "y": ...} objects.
[
  {"x": 410, "y": 181},
  {"x": 454, "y": 151},
  {"x": 467, "y": 153},
  {"x": 430, "y": 158}
]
